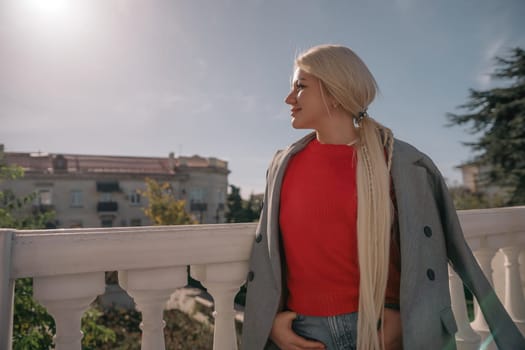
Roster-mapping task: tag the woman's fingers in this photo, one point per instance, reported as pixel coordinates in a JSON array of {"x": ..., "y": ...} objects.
[{"x": 285, "y": 338}]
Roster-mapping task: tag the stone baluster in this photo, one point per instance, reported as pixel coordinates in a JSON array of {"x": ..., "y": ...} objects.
[
  {"x": 466, "y": 338},
  {"x": 223, "y": 282},
  {"x": 484, "y": 258},
  {"x": 514, "y": 302},
  {"x": 66, "y": 298},
  {"x": 151, "y": 289}
]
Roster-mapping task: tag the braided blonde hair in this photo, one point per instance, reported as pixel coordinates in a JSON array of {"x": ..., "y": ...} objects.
[{"x": 347, "y": 79}]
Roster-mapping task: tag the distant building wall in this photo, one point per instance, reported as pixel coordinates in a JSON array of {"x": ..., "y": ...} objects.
[{"x": 95, "y": 191}]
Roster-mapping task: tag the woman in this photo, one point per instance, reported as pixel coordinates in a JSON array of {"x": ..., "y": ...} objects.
[{"x": 352, "y": 247}]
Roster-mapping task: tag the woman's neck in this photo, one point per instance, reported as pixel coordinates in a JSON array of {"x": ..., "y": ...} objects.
[{"x": 338, "y": 131}]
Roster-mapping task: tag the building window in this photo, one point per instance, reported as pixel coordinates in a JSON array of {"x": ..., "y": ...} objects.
[
  {"x": 197, "y": 195},
  {"x": 105, "y": 197},
  {"x": 135, "y": 222},
  {"x": 43, "y": 197},
  {"x": 134, "y": 197},
  {"x": 221, "y": 197},
  {"x": 77, "y": 199}
]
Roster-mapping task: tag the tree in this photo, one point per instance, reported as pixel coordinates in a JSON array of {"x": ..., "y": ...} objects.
[
  {"x": 163, "y": 208},
  {"x": 240, "y": 210},
  {"x": 499, "y": 115}
]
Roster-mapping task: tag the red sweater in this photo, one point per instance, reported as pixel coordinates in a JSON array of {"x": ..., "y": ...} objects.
[{"x": 318, "y": 220}]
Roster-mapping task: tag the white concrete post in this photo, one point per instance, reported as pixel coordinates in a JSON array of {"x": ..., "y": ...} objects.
[
  {"x": 223, "y": 282},
  {"x": 514, "y": 302},
  {"x": 466, "y": 338},
  {"x": 484, "y": 258},
  {"x": 66, "y": 298},
  {"x": 7, "y": 288},
  {"x": 151, "y": 289}
]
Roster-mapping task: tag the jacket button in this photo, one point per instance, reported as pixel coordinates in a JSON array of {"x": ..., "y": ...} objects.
[
  {"x": 428, "y": 231},
  {"x": 431, "y": 275},
  {"x": 258, "y": 238},
  {"x": 251, "y": 275}
]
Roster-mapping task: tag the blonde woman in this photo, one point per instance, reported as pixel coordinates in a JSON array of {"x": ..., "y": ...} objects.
[{"x": 357, "y": 230}]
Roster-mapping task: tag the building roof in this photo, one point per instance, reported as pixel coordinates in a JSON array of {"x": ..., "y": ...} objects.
[{"x": 46, "y": 163}]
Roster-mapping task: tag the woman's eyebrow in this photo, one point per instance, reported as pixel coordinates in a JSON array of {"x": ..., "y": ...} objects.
[{"x": 294, "y": 82}]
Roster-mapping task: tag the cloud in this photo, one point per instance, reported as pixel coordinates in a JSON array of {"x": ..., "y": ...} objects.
[{"x": 486, "y": 66}]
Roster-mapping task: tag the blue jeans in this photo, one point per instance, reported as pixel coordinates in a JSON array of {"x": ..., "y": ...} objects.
[{"x": 335, "y": 332}]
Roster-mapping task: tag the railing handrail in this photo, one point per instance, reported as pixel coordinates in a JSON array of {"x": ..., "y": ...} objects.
[
  {"x": 478, "y": 223},
  {"x": 65, "y": 251}
]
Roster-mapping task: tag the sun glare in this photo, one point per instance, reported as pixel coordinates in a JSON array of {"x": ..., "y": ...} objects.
[{"x": 51, "y": 8}]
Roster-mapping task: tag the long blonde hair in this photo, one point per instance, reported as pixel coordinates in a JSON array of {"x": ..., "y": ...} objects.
[{"x": 347, "y": 79}]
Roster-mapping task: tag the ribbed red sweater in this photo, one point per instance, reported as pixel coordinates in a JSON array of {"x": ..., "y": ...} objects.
[{"x": 318, "y": 220}]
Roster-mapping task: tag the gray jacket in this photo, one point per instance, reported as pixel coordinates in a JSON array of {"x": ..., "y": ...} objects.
[{"x": 430, "y": 239}]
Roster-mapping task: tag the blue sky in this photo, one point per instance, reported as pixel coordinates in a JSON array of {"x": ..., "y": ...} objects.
[{"x": 147, "y": 78}]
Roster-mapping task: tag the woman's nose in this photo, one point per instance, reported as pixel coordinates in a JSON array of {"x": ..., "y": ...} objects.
[{"x": 290, "y": 99}]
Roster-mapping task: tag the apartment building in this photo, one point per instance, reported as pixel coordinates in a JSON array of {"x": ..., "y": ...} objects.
[{"x": 104, "y": 191}]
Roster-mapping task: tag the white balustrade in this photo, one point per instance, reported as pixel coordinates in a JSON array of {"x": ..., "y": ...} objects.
[
  {"x": 514, "y": 302},
  {"x": 68, "y": 270},
  {"x": 484, "y": 257},
  {"x": 466, "y": 337},
  {"x": 151, "y": 289},
  {"x": 222, "y": 282},
  {"x": 66, "y": 298},
  {"x": 488, "y": 231}
]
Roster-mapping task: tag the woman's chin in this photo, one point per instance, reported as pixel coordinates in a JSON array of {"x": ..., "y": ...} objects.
[{"x": 296, "y": 124}]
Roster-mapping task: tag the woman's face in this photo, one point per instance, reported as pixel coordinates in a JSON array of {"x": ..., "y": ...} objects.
[{"x": 307, "y": 107}]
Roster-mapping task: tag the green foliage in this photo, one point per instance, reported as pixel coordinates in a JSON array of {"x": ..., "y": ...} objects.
[
  {"x": 465, "y": 199},
  {"x": 181, "y": 332},
  {"x": 33, "y": 327},
  {"x": 163, "y": 208},
  {"x": 499, "y": 115},
  {"x": 240, "y": 210},
  {"x": 19, "y": 212},
  {"x": 95, "y": 334}
]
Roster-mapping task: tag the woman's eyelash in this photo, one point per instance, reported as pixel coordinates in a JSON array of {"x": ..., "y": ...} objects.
[{"x": 299, "y": 86}]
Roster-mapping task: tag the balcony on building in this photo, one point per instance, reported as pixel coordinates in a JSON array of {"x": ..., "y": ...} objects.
[
  {"x": 109, "y": 207},
  {"x": 198, "y": 206},
  {"x": 152, "y": 263},
  {"x": 108, "y": 186}
]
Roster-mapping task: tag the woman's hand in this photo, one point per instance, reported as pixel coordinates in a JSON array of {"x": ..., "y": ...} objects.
[
  {"x": 391, "y": 329},
  {"x": 285, "y": 338}
]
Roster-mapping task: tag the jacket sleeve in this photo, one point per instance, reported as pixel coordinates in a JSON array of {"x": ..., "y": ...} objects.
[{"x": 505, "y": 333}]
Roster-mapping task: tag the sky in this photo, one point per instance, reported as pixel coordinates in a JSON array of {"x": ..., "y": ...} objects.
[{"x": 146, "y": 78}]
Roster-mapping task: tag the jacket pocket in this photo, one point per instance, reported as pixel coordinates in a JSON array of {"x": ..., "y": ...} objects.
[{"x": 448, "y": 321}]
